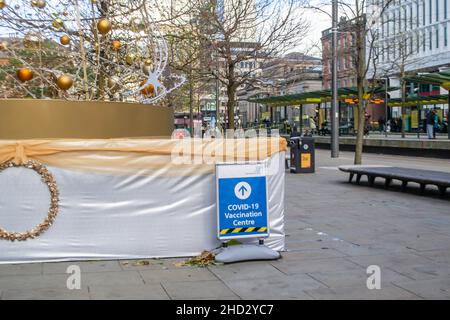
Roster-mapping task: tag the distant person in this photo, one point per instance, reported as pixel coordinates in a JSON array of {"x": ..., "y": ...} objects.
[
  {"x": 388, "y": 126},
  {"x": 295, "y": 132},
  {"x": 312, "y": 125},
  {"x": 436, "y": 125},
  {"x": 381, "y": 124},
  {"x": 400, "y": 124},
  {"x": 430, "y": 124},
  {"x": 366, "y": 124}
]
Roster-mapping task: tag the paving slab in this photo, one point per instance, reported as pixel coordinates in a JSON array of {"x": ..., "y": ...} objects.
[
  {"x": 31, "y": 282},
  {"x": 20, "y": 269},
  {"x": 427, "y": 289},
  {"x": 428, "y": 271},
  {"x": 315, "y": 265},
  {"x": 196, "y": 290},
  {"x": 46, "y": 294},
  {"x": 177, "y": 275},
  {"x": 442, "y": 256},
  {"x": 245, "y": 271},
  {"x": 277, "y": 288},
  {"x": 128, "y": 292},
  {"x": 390, "y": 260},
  {"x": 352, "y": 293},
  {"x": 356, "y": 278},
  {"x": 85, "y": 267},
  {"x": 296, "y": 255},
  {"x": 111, "y": 278},
  {"x": 154, "y": 264}
]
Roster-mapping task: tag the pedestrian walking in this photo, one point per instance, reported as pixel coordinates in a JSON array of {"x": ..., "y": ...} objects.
[
  {"x": 381, "y": 124},
  {"x": 430, "y": 124},
  {"x": 436, "y": 125},
  {"x": 312, "y": 125},
  {"x": 366, "y": 124}
]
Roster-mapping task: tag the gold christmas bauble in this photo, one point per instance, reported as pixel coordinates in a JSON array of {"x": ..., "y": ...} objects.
[
  {"x": 31, "y": 40},
  {"x": 64, "y": 40},
  {"x": 64, "y": 82},
  {"x": 149, "y": 90},
  {"x": 38, "y": 3},
  {"x": 446, "y": 85},
  {"x": 3, "y": 45},
  {"x": 113, "y": 83},
  {"x": 104, "y": 26},
  {"x": 65, "y": 13},
  {"x": 2, "y": 4},
  {"x": 24, "y": 74},
  {"x": 58, "y": 24},
  {"x": 147, "y": 66},
  {"x": 130, "y": 58},
  {"x": 116, "y": 45}
]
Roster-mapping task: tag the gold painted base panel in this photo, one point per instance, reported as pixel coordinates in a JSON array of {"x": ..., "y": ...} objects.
[{"x": 35, "y": 119}]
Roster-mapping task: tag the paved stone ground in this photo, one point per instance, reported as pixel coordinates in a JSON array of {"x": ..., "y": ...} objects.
[{"x": 334, "y": 232}]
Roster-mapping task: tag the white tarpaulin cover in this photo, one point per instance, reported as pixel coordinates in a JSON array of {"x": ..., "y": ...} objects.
[{"x": 103, "y": 215}]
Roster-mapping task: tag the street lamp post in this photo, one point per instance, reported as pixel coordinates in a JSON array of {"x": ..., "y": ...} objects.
[
  {"x": 334, "y": 114},
  {"x": 448, "y": 115},
  {"x": 386, "y": 108}
]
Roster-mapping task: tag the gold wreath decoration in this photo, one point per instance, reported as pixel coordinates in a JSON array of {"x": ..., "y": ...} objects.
[{"x": 49, "y": 180}]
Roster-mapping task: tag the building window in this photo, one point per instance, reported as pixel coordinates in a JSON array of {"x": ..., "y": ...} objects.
[
  {"x": 437, "y": 38},
  {"x": 387, "y": 25},
  {"x": 424, "y": 41},
  {"x": 411, "y": 16},
  {"x": 418, "y": 42},
  {"x": 418, "y": 14},
  {"x": 394, "y": 15},
  {"x": 423, "y": 12},
  {"x": 437, "y": 10},
  {"x": 431, "y": 40},
  {"x": 445, "y": 36},
  {"x": 445, "y": 9},
  {"x": 431, "y": 11}
]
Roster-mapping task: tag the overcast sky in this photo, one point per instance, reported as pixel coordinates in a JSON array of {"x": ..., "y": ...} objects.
[{"x": 319, "y": 22}]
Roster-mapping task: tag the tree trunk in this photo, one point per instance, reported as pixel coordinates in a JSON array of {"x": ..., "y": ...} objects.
[
  {"x": 231, "y": 93},
  {"x": 361, "y": 124},
  {"x": 403, "y": 86},
  {"x": 361, "y": 73},
  {"x": 191, "y": 105}
]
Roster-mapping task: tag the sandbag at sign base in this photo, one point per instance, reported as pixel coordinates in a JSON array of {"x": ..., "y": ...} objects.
[{"x": 242, "y": 253}]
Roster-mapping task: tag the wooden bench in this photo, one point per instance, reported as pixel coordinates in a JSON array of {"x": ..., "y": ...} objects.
[{"x": 405, "y": 175}]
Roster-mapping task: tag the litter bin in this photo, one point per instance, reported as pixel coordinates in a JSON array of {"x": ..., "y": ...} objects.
[{"x": 302, "y": 155}]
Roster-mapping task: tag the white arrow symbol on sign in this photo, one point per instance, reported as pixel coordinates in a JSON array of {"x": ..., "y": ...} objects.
[{"x": 242, "y": 190}]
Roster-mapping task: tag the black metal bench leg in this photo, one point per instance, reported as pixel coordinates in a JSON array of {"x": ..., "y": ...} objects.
[
  {"x": 404, "y": 185},
  {"x": 387, "y": 184},
  {"x": 358, "y": 179},
  {"x": 350, "y": 180},
  {"x": 371, "y": 180},
  {"x": 442, "y": 191},
  {"x": 422, "y": 188}
]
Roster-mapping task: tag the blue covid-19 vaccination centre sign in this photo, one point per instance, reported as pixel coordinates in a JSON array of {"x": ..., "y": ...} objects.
[{"x": 242, "y": 201}]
